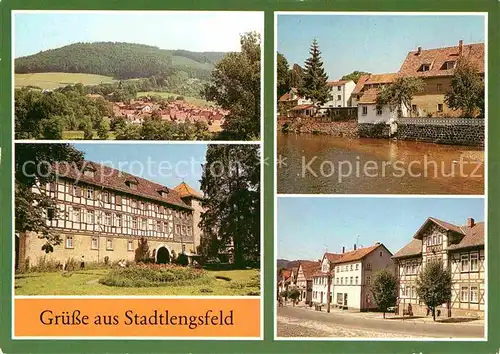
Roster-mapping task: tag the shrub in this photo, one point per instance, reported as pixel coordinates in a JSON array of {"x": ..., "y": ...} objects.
[
  {"x": 153, "y": 275},
  {"x": 182, "y": 260}
]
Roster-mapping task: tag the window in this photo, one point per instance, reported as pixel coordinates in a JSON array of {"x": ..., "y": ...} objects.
[
  {"x": 414, "y": 108},
  {"x": 473, "y": 294},
  {"x": 118, "y": 200},
  {"x": 357, "y": 281},
  {"x": 474, "y": 262},
  {"x": 159, "y": 226},
  {"x": 449, "y": 65},
  {"x": 133, "y": 203},
  {"x": 130, "y": 245},
  {"x": 339, "y": 88},
  {"x": 440, "y": 107},
  {"x": 134, "y": 223},
  {"x": 183, "y": 229},
  {"x": 95, "y": 243},
  {"x": 90, "y": 192},
  {"x": 118, "y": 220},
  {"x": 189, "y": 231},
  {"x": 368, "y": 280},
  {"x": 413, "y": 291},
  {"x": 350, "y": 281},
  {"x": 381, "y": 253},
  {"x": 464, "y": 294},
  {"x": 109, "y": 244},
  {"x": 379, "y": 111},
  {"x": 368, "y": 266},
  {"x": 429, "y": 241},
  {"x": 50, "y": 213},
  {"x": 183, "y": 248},
  {"x": 90, "y": 216},
  {"x": 76, "y": 190},
  {"x": 88, "y": 173},
  {"x": 107, "y": 219},
  {"x": 336, "y": 280},
  {"x": 357, "y": 266},
  {"x": 425, "y": 67},
  {"x": 439, "y": 87},
  {"x": 465, "y": 262},
  {"x": 76, "y": 214},
  {"x": 339, "y": 97},
  {"x": 144, "y": 224},
  {"x": 69, "y": 241},
  {"x": 105, "y": 197},
  {"x": 342, "y": 281},
  {"x": 364, "y": 110},
  {"x": 177, "y": 229},
  {"x": 83, "y": 215},
  {"x": 407, "y": 291},
  {"x": 351, "y": 267}
]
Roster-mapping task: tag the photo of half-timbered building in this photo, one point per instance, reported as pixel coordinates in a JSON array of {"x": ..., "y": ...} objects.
[
  {"x": 462, "y": 251},
  {"x": 102, "y": 213}
]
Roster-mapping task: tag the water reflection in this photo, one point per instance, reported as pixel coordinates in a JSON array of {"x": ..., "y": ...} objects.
[{"x": 328, "y": 165}]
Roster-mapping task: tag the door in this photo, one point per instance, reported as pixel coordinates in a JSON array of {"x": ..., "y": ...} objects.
[
  {"x": 345, "y": 299},
  {"x": 321, "y": 297}
]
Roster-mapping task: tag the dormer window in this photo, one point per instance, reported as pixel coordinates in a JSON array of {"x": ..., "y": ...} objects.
[
  {"x": 131, "y": 184},
  {"x": 449, "y": 65},
  {"x": 163, "y": 193},
  {"x": 425, "y": 67}
]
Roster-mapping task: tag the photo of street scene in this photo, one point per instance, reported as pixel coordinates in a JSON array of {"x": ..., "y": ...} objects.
[
  {"x": 137, "y": 75},
  {"x": 381, "y": 268},
  {"x": 137, "y": 219},
  {"x": 393, "y": 105}
]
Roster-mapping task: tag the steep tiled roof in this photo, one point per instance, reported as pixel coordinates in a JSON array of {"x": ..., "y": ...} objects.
[
  {"x": 301, "y": 107},
  {"x": 445, "y": 225},
  {"x": 332, "y": 257},
  {"x": 285, "y": 97},
  {"x": 309, "y": 268},
  {"x": 437, "y": 58},
  {"x": 360, "y": 84},
  {"x": 380, "y": 78},
  {"x": 185, "y": 190},
  {"x": 413, "y": 248},
  {"x": 114, "y": 179},
  {"x": 474, "y": 236},
  {"x": 358, "y": 254},
  {"x": 369, "y": 96}
]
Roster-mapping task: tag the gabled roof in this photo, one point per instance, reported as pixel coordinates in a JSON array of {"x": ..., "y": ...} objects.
[
  {"x": 185, "y": 190},
  {"x": 309, "y": 268},
  {"x": 114, "y": 179},
  {"x": 337, "y": 83},
  {"x": 386, "y": 78},
  {"x": 369, "y": 96},
  {"x": 437, "y": 58},
  {"x": 445, "y": 225},
  {"x": 414, "y": 248},
  {"x": 359, "y": 254},
  {"x": 332, "y": 257},
  {"x": 361, "y": 83},
  {"x": 286, "y": 96},
  {"x": 474, "y": 236},
  {"x": 300, "y": 107}
]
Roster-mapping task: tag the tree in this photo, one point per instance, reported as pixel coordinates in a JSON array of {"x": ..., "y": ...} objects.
[
  {"x": 294, "y": 295},
  {"x": 434, "y": 285},
  {"x": 466, "y": 91},
  {"x": 354, "y": 76},
  {"x": 282, "y": 75},
  {"x": 231, "y": 186},
  {"x": 296, "y": 76},
  {"x": 235, "y": 86},
  {"x": 314, "y": 84},
  {"x": 384, "y": 289},
  {"x": 142, "y": 251},
  {"x": 103, "y": 129},
  {"x": 52, "y": 128},
  {"x": 33, "y": 170},
  {"x": 400, "y": 93}
]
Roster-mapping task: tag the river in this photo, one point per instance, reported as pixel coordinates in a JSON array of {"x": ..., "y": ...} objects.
[{"x": 322, "y": 164}]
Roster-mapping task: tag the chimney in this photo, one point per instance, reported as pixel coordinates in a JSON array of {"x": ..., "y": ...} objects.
[
  {"x": 355, "y": 247},
  {"x": 460, "y": 47},
  {"x": 419, "y": 50},
  {"x": 343, "y": 249},
  {"x": 470, "y": 222}
]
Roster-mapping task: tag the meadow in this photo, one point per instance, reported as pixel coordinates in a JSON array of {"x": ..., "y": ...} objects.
[
  {"x": 86, "y": 282},
  {"x": 54, "y": 80}
]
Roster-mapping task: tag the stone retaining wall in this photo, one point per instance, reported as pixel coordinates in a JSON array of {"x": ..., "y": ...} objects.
[
  {"x": 310, "y": 126},
  {"x": 374, "y": 131}
]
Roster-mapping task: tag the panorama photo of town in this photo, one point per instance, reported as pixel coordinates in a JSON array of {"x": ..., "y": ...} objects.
[
  {"x": 381, "y": 268},
  {"x": 394, "y": 105},
  {"x": 129, "y": 75},
  {"x": 127, "y": 219}
]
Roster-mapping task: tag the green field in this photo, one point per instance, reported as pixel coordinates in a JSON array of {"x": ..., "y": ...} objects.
[
  {"x": 191, "y": 100},
  {"x": 55, "y": 80},
  {"x": 237, "y": 282}
]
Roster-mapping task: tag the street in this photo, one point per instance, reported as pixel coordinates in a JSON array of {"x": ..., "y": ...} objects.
[{"x": 300, "y": 322}]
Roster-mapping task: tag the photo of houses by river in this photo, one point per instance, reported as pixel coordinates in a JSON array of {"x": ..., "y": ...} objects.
[
  {"x": 125, "y": 75},
  {"x": 384, "y": 268},
  {"x": 395, "y": 105}
]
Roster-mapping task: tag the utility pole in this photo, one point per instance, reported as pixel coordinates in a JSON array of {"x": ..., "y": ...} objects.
[{"x": 329, "y": 284}]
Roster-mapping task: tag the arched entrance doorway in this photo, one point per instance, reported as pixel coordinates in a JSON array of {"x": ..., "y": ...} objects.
[{"x": 162, "y": 255}]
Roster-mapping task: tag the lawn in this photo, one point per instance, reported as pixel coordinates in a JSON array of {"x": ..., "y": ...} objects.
[
  {"x": 78, "y": 135},
  {"x": 86, "y": 282},
  {"x": 55, "y": 80},
  {"x": 191, "y": 100}
]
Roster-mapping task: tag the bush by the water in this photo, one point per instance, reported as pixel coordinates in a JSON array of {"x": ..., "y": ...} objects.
[{"x": 151, "y": 275}]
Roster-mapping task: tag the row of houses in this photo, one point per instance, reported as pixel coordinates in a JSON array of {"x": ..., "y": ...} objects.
[
  {"x": 178, "y": 111},
  {"x": 434, "y": 66},
  {"x": 345, "y": 278}
]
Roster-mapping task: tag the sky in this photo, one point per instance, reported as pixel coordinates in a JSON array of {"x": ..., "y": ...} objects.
[
  {"x": 308, "y": 226},
  {"x": 167, "y": 164},
  {"x": 193, "y": 30},
  {"x": 372, "y": 43}
]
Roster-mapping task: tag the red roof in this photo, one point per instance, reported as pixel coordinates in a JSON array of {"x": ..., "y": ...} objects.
[
  {"x": 337, "y": 83},
  {"x": 301, "y": 107},
  {"x": 358, "y": 254},
  {"x": 437, "y": 58},
  {"x": 309, "y": 268},
  {"x": 185, "y": 190},
  {"x": 107, "y": 177}
]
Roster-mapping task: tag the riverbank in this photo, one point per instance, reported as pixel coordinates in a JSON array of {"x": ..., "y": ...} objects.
[{"x": 347, "y": 129}]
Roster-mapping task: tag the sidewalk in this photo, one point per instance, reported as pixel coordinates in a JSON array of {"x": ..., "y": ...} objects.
[{"x": 390, "y": 316}]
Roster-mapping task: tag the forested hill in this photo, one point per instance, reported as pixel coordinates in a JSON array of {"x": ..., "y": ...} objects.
[{"x": 119, "y": 60}]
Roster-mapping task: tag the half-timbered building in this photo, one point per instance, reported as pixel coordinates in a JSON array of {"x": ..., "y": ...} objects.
[
  {"x": 461, "y": 249},
  {"x": 101, "y": 214}
]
